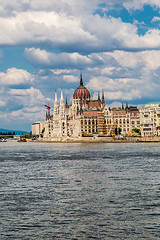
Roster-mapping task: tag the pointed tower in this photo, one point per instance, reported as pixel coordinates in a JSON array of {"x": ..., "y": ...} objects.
[
  {"x": 66, "y": 103},
  {"x": 62, "y": 106},
  {"x": 99, "y": 97},
  {"x": 81, "y": 80},
  {"x": 126, "y": 105},
  {"x": 103, "y": 102},
  {"x": 56, "y": 107}
]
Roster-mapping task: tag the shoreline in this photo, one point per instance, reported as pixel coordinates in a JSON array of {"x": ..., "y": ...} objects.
[{"x": 102, "y": 140}]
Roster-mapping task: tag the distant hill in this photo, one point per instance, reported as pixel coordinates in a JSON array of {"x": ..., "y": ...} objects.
[{"x": 17, "y": 132}]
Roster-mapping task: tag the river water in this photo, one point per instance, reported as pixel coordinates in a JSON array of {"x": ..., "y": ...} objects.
[{"x": 79, "y": 191}]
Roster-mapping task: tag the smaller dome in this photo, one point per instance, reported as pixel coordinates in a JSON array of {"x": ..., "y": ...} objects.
[{"x": 81, "y": 92}]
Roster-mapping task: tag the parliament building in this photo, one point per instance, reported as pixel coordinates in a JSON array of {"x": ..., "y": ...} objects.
[{"x": 86, "y": 117}]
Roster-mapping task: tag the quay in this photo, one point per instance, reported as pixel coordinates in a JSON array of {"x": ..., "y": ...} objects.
[{"x": 100, "y": 140}]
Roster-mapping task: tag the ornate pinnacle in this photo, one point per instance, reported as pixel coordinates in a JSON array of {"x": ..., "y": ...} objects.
[
  {"x": 81, "y": 81},
  {"x": 66, "y": 101},
  {"x": 98, "y": 96}
]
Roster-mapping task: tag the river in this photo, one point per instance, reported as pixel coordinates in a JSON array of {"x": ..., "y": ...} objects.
[{"x": 79, "y": 191}]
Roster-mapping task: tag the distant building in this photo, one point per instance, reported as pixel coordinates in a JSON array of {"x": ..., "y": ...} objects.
[
  {"x": 123, "y": 119},
  {"x": 150, "y": 120},
  {"x": 37, "y": 128}
]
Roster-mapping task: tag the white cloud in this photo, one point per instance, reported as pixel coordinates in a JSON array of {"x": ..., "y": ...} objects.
[
  {"x": 107, "y": 70},
  {"x": 28, "y": 97},
  {"x": 115, "y": 90},
  {"x": 2, "y": 103},
  {"x": 98, "y": 61},
  {"x": 133, "y": 75},
  {"x": 63, "y": 30},
  {"x": 39, "y": 27},
  {"x": 132, "y": 95},
  {"x": 14, "y": 76},
  {"x": 101, "y": 82},
  {"x": 31, "y": 116},
  {"x": 71, "y": 60},
  {"x": 61, "y": 71},
  {"x": 148, "y": 59},
  {"x": 15, "y": 103},
  {"x": 70, "y": 7},
  {"x": 156, "y": 19},
  {"x": 138, "y": 4},
  {"x": 70, "y": 78}
]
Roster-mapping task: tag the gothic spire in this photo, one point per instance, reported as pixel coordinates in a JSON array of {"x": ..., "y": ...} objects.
[
  {"x": 103, "y": 102},
  {"x": 98, "y": 96},
  {"x": 66, "y": 103},
  {"x": 62, "y": 106},
  {"x": 56, "y": 107},
  {"x": 102, "y": 94},
  {"x": 61, "y": 94},
  {"x": 56, "y": 100},
  {"x": 81, "y": 81}
]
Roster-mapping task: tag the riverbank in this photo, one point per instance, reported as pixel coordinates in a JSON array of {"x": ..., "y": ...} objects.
[{"x": 101, "y": 140}]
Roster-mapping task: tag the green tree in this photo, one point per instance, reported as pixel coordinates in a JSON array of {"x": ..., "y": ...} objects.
[{"x": 136, "y": 130}]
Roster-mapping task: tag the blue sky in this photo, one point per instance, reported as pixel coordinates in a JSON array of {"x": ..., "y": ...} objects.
[{"x": 44, "y": 45}]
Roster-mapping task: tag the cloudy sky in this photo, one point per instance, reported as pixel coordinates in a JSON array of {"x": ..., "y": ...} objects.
[{"x": 44, "y": 45}]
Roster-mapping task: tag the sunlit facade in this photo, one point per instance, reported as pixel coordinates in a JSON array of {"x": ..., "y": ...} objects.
[
  {"x": 150, "y": 120},
  {"x": 86, "y": 117}
]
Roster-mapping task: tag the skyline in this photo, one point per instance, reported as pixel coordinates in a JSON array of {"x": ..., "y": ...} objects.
[{"x": 45, "y": 46}]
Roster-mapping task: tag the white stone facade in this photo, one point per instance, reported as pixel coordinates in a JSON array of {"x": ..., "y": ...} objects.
[
  {"x": 150, "y": 120},
  {"x": 64, "y": 123},
  {"x": 37, "y": 128}
]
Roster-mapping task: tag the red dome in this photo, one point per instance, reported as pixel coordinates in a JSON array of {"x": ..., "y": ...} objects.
[{"x": 81, "y": 92}]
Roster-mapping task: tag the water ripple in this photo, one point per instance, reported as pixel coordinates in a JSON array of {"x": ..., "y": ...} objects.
[{"x": 79, "y": 191}]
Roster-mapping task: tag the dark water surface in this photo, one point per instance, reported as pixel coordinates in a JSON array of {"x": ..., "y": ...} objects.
[{"x": 79, "y": 191}]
